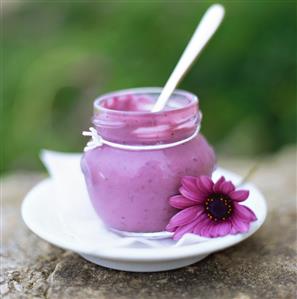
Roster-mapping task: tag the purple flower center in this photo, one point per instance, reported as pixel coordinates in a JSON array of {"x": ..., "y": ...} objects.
[{"x": 218, "y": 207}]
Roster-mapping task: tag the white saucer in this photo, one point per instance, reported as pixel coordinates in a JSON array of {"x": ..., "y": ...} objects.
[{"x": 43, "y": 215}]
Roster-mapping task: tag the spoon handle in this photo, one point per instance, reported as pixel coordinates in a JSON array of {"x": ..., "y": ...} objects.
[{"x": 204, "y": 31}]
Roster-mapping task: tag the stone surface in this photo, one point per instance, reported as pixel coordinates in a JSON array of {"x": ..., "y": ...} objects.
[{"x": 264, "y": 266}]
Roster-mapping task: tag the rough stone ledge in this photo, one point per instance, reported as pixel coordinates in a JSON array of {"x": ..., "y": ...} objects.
[{"x": 264, "y": 266}]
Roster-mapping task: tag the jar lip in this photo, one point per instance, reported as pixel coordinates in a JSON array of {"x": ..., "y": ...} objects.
[{"x": 193, "y": 100}]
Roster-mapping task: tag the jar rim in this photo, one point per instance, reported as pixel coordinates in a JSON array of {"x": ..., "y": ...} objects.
[{"x": 192, "y": 98}]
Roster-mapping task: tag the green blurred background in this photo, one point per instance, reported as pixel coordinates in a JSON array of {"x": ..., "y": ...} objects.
[{"x": 58, "y": 56}]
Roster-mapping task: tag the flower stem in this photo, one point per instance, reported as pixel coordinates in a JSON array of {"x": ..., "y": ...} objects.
[{"x": 249, "y": 174}]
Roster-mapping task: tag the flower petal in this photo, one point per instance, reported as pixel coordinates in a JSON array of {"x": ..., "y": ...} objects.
[
  {"x": 207, "y": 229},
  {"x": 191, "y": 195},
  {"x": 204, "y": 184},
  {"x": 183, "y": 217},
  {"x": 227, "y": 187},
  {"x": 239, "y": 195},
  {"x": 213, "y": 230},
  {"x": 171, "y": 228},
  {"x": 239, "y": 226},
  {"x": 217, "y": 186},
  {"x": 201, "y": 222},
  {"x": 223, "y": 229},
  {"x": 181, "y": 202},
  {"x": 189, "y": 183},
  {"x": 243, "y": 212},
  {"x": 188, "y": 228}
]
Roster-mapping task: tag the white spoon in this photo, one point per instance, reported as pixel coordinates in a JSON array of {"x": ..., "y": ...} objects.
[{"x": 204, "y": 31}]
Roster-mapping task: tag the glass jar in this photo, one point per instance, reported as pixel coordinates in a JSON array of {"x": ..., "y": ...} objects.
[{"x": 144, "y": 155}]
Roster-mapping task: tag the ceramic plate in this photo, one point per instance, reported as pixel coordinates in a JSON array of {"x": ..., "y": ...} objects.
[{"x": 41, "y": 215}]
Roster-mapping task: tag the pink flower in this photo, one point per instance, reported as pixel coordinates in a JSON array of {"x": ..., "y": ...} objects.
[{"x": 209, "y": 209}]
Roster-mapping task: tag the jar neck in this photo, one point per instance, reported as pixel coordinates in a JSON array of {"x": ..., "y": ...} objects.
[{"x": 124, "y": 117}]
